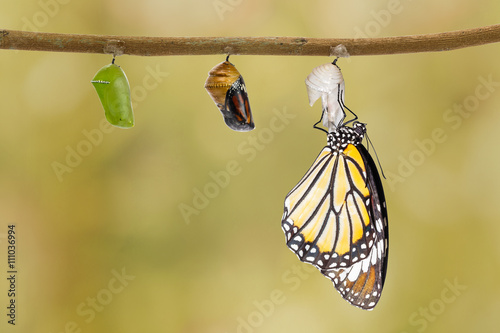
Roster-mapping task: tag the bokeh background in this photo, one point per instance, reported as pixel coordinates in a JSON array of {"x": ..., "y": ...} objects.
[{"x": 116, "y": 208}]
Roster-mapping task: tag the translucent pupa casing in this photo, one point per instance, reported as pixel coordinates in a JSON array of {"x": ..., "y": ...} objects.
[{"x": 326, "y": 81}]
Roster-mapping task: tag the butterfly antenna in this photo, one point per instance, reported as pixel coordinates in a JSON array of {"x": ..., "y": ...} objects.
[{"x": 378, "y": 161}]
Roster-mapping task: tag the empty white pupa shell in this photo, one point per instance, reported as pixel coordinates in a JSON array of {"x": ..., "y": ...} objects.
[{"x": 326, "y": 81}]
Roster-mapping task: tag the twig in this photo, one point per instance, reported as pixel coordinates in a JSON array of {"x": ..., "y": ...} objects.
[{"x": 298, "y": 46}]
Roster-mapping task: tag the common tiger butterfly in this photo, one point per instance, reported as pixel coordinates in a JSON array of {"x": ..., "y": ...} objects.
[
  {"x": 335, "y": 218},
  {"x": 226, "y": 87},
  {"x": 326, "y": 81},
  {"x": 113, "y": 90}
]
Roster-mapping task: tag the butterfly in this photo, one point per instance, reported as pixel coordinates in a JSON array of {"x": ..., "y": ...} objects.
[{"x": 335, "y": 218}]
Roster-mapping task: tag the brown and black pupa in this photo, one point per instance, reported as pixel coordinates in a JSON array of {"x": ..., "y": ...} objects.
[{"x": 228, "y": 90}]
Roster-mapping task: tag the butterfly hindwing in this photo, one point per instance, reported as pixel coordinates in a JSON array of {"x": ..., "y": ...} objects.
[{"x": 362, "y": 282}]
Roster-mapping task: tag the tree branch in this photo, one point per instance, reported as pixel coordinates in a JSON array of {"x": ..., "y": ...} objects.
[{"x": 297, "y": 46}]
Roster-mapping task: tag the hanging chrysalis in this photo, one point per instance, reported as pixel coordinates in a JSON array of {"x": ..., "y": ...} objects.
[
  {"x": 326, "y": 81},
  {"x": 226, "y": 87},
  {"x": 113, "y": 89}
]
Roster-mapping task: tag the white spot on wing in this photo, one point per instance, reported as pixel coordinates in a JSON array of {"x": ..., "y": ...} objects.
[
  {"x": 374, "y": 256},
  {"x": 354, "y": 273},
  {"x": 365, "y": 265}
]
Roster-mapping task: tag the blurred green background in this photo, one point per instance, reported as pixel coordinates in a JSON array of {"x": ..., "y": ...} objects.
[{"x": 116, "y": 211}]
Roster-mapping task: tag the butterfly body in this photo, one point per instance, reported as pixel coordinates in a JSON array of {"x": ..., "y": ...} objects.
[{"x": 335, "y": 218}]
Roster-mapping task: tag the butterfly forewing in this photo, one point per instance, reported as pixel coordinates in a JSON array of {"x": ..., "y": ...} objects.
[
  {"x": 237, "y": 112},
  {"x": 335, "y": 219}
]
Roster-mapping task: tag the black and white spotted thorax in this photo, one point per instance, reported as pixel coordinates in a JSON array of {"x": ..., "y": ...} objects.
[{"x": 343, "y": 136}]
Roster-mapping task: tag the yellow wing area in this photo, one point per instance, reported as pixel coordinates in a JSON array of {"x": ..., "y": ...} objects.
[
  {"x": 356, "y": 219},
  {"x": 312, "y": 230},
  {"x": 353, "y": 153},
  {"x": 328, "y": 207},
  {"x": 308, "y": 194},
  {"x": 305, "y": 183},
  {"x": 340, "y": 186}
]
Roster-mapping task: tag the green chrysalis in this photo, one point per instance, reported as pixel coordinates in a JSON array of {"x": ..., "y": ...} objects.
[{"x": 113, "y": 89}]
